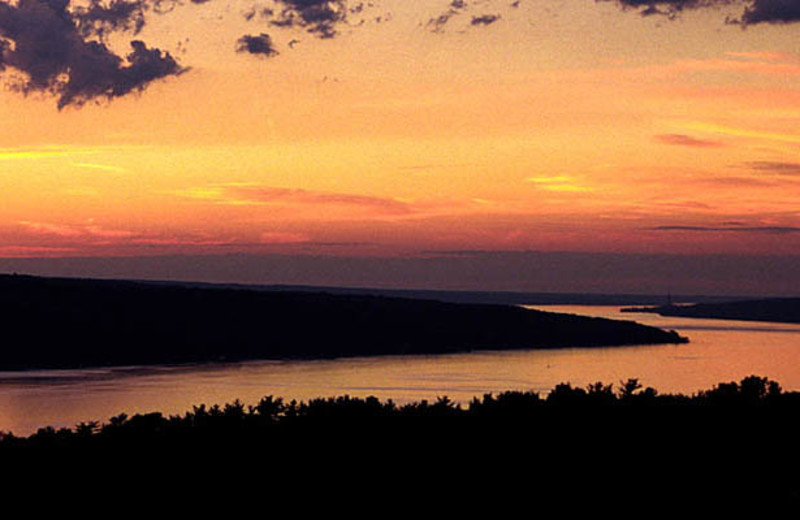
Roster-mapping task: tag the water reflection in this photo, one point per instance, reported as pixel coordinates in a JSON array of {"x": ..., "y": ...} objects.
[{"x": 719, "y": 351}]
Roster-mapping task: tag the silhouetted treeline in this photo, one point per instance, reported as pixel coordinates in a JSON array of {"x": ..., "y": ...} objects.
[
  {"x": 779, "y": 310},
  {"x": 625, "y": 443},
  {"x": 61, "y": 323}
]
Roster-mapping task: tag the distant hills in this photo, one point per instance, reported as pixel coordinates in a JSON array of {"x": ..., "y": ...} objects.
[
  {"x": 65, "y": 323},
  {"x": 780, "y": 310},
  {"x": 492, "y": 297}
]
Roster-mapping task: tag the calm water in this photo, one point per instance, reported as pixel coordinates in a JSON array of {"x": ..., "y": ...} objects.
[{"x": 719, "y": 351}]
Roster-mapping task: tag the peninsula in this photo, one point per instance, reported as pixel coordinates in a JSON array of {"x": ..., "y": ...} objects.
[{"x": 70, "y": 323}]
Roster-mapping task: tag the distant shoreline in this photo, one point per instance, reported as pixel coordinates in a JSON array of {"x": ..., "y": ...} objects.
[{"x": 774, "y": 310}]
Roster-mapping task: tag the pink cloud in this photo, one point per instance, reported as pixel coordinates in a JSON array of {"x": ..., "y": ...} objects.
[
  {"x": 71, "y": 231},
  {"x": 301, "y": 196}
]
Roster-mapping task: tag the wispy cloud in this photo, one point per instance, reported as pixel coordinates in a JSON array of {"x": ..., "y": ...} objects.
[
  {"x": 254, "y": 194},
  {"x": 73, "y": 231},
  {"x": 686, "y": 140},
  {"x": 733, "y": 180},
  {"x": 559, "y": 183},
  {"x": 684, "y": 204},
  {"x": 772, "y": 230},
  {"x": 766, "y": 56},
  {"x": 12, "y": 251},
  {"x": 302, "y": 196},
  {"x": 774, "y": 167},
  {"x": 715, "y": 128},
  {"x": 44, "y": 152},
  {"x": 102, "y": 167}
]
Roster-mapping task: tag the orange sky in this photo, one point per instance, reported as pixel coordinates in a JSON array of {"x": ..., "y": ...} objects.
[{"x": 570, "y": 125}]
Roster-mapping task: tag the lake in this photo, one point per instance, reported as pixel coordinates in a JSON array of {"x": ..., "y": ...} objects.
[{"x": 719, "y": 351}]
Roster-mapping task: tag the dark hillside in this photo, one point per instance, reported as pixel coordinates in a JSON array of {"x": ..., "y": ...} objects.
[{"x": 51, "y": 323}]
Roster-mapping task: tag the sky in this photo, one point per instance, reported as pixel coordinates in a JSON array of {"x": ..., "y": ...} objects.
[{"x": 569, "y": 145}]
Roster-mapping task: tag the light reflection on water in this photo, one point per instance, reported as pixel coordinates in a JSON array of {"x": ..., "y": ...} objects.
[{"x": 719, "y": 351}]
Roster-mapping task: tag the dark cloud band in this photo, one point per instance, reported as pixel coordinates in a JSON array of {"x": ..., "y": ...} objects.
[
  {"x": 753, "y": 11},
  {"x": 780, "y": 230}
]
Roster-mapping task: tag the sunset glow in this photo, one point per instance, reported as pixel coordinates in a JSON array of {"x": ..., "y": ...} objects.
[{"x": 404, "y": 129}]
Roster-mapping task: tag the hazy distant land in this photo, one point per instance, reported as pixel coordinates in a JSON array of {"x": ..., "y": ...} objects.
[
  {"x": 493, "y": 297},
  {"x": 69, "y": 323},
  {"x": 779, "y": 310}
]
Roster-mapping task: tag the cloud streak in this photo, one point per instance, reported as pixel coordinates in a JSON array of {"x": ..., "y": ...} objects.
[
  {"x": 68, "y": 231},
  {"x": 772, "y": 230},
  {"x": 234, "y": 194},
  {"x": 301, "y": 196},
  {"x": 778, "y": 168},
  {"x": 686, "y": 140}
]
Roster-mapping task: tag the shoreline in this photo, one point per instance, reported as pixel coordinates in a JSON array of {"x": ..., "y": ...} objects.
[{"x": 773, "y": 310}]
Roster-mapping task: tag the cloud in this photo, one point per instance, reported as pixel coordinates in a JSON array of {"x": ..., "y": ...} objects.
[
  {"x": 62, "y": 52},
  {"x": 754, "y": 11},
  {"x": 259, "y": 45},
  {"x": 771, "y": 11},
  {"x": 783, "y": 137},
  {"x": 44, "y": 228},
  {"x": 776, "y": 230},
  {"x": 318, "y": 17},
  {"x": 249, "y": 194},
  {"x": 738, "y": 181},
  {"x": 102, "y": 167},
  {"x": 5, "y": 47},
  {"x": 61, "y": 47},
  {"x": 668, "y": 8},
  {"x": 559, "y": 183},
  {"x": 486, "y": 19},
  {"x": 684, "y": 204},
  {"x": 779, "y": 168},
  {"x": 98, "y": 19},
  {"x": 437, "y": 23},
  {"x": 301, "y": 196},
  {"x": 35, "y": 251},
  {"x": 765, "y": 56},
  {"x": 69, "y": 231},
  {"x": 42, "y": 153},
  {"x": 686, "y": 140}
]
